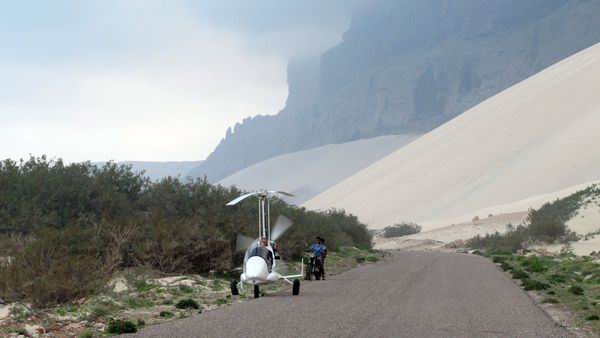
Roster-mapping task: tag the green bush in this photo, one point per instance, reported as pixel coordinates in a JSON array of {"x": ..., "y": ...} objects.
[
  {"x": 549, "y": 300},
  {"x": 519, "y": 274},
  {"x": 505, "y": 266},
  {"x": 592, "y": 317},
  {"x": 86, "y": 334},
  {"x": 401, "y": 229},
  {"x": 166, "y": 314},
  {"x": 557, "y": 278},
  {"x": 187, "y": 304},
  {"x": 533, "y": 264},
  {"x": 58, "y": 267},
  {"x": 576, "y": 290},
  {"x": 70, "y": 227},
  {"x": 544, "y": 224},
  {"x": 511, "y": 241},
  {"x": 120, "y": 326},
  {"x": 532, "y": 284}
]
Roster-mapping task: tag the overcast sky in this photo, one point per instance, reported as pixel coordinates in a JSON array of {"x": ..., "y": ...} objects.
[{"x": 148, "y": 80}]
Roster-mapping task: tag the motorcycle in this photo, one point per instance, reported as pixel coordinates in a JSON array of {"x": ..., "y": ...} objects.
[{"x": 315, "y": 267}]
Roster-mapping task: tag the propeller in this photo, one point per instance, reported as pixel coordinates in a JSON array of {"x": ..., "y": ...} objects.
[
  {"x": 243, "y": 242},
  {"x": 281, "y": 225},
  {"x": 274, "y": 192},
  {"x": 241, "y": 198}
]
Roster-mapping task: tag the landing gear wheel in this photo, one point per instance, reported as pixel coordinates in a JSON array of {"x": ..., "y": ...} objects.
[
  {"x": 234, "y": 289},
  {"x": 296, "y": 287},
  {"x": 256, "y": 291}
]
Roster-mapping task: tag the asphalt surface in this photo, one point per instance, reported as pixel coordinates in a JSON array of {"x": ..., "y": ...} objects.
[{"x": 408, "y": 295}]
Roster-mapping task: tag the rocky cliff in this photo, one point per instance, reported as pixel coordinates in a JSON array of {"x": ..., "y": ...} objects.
[{"x": 407, "y": 66}]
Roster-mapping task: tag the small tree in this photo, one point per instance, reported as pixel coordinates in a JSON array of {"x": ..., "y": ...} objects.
[{"x": 401, "y": 229}]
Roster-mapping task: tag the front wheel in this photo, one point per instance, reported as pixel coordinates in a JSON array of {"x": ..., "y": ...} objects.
[
  {"x": 296, "y": 287},
  {"x": 317, "y": 274},
  {"x": 256, "y": 291},
  {"x": 234, "y": 289},
  {"x": 308, "y": 273}
]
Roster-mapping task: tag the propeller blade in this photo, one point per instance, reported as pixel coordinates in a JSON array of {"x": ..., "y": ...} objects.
[
  {"x": 241, "y": 198},
  {"x": 280, "y": 192},
  {"x": 281, "y": 225},
  {"x": 242, "y": 242}
]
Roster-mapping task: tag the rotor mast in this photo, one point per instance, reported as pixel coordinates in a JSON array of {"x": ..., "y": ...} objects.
[{"x": 264, "y": 217}]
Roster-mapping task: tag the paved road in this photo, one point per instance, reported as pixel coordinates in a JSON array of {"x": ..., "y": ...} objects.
[{"x": 408, "y": 295}]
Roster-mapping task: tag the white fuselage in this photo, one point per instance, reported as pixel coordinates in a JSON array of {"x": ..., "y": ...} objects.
[{"x": 256, "y": 271}]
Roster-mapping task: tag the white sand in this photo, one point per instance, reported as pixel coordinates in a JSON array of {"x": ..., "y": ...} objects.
[
  {"x": 585, "y": 221},
  {"x": 309, "y": 172},
  {"x": 515, "y": 208},
  {"x": 539, "y": 136}
]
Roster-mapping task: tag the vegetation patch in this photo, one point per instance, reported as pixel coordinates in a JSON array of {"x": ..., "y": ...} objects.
[
  {"x": 401, "y": 229},
  {"x": 546, "y": 224},
  {"x": 166, "y": 314},
  {"x": 576, "y": 290},
  {"x": 187, "y": 304},
  {"x": 120, "y": 326},
  {"x": 553, "y": 278}
]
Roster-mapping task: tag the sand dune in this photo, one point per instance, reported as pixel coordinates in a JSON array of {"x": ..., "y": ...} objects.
[
  {"x": 309, "y": 172},
  {"x": 539, "y": 136}
]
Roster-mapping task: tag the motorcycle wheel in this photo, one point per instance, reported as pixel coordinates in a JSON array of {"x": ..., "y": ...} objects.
[{"x": 256, "y": 291}]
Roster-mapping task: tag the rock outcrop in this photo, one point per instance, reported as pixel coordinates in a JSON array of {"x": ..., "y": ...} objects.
[{"x": 407, "y": 67}]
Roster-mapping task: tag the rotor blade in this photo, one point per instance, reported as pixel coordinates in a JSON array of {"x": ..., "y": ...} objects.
[
  {"x": 280, "y": 192},
  {"x": 243, "y": 242},
  {"x": 241, "y": 198},
  {"x": 281, "y": 225}
]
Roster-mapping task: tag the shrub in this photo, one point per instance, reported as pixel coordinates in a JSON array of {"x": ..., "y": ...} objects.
[
  {"x": 592, "y": 317},
  {"x": 557, "y": 278},
  {"x": 187, "y": 304},
  {"x": 510, "y": 241},
  {"x": 120, "y": 326},
  {"x": 519, "y": 274},
  {"x": 532, "y": 284},
  {"x": 576, "y": 290},
  {"x": 19, "y": 331},
  {"x": 86, "y": 334},
  {"x": 69, "y": 227},
  {"x": 498, "y": 259},
  {"x": 505, "y": 266},
  {"x": 136, "y": 303},
  {"x": 402, "y": 229},
  {"x": 550, "y": 301},
  {"x": 166, "y": 314},
  {"x": 533, "y": 264},
  {"x": 58, "y": 267}
]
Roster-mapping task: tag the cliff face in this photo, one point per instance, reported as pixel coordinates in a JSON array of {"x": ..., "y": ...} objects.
[{"x": 407, "y": 66}]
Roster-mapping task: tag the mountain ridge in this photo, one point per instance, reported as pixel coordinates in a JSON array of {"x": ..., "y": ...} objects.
[{"x": 408, "y": 67}]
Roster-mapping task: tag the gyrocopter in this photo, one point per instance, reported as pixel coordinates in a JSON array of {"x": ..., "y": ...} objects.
[{"x": 260, "y": 260}]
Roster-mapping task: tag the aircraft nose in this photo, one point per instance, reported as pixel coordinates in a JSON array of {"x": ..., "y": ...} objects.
[{"x": 256, "y": 269}]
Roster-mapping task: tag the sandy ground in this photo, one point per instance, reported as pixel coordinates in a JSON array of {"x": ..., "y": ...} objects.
[
  {"x": 309, "y": 172},
  {"x": 587, "y": 220},
  {"x": 436, "y": 239},
  {"x": 537, "y": 137}
]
